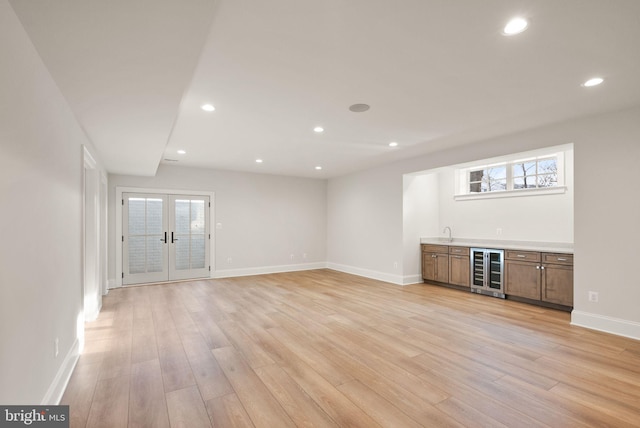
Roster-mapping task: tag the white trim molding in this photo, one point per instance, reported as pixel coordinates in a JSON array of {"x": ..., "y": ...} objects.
[
  {"x": 512, "y": 193},
  {"x": 60, "y": 382},
  {"x": 263, "y": 270},
  {"x": 368, "y": 273},
  {"x": 606, "y": 324},
  {"x": 412, "y": 279}
]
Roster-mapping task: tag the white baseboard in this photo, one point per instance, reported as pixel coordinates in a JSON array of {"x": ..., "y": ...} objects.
[
  {"x": 59, "y": 384},
  {"x": 412, "y": 279},
  {"x": 262, "y": 270},
  {"x": 368, "y": 273},
  {"x": 606, "y": 324},
  {"x": 92, "y": 315}
]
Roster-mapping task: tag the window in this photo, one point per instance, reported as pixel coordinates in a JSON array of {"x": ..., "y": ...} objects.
[
  {"x": 489, "y": 179},
  {"x": 535, "y": 173},
  {"x": 515, "y": 177}
]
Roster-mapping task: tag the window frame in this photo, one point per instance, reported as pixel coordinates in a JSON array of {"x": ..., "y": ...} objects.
[{"x": 463, "y": 180}]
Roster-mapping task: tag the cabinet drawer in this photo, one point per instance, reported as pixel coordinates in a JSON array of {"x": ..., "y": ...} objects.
[
  {"x": 431, "y": 248},
  {"x": 460, "y": 251},
  {"x": 557, "y": 258},
  {"x": 527, "y": 256}
]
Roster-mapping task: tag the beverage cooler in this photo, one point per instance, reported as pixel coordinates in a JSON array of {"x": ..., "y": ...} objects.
[{"x": 487, "y": 272}]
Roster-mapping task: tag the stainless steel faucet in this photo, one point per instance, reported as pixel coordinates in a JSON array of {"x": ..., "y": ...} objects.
[{"x": 449, "y": 229}]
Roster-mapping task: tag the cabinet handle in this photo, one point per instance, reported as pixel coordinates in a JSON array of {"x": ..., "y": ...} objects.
[
  {"x": 562, "y": 259},
  {"x": 521, "y": 255},
  {"x": 538, "y": 267},
  {"x": 542, "y": 267},
  {"x": 456, "y": 251},
  {"x": 433, "y": 256}
]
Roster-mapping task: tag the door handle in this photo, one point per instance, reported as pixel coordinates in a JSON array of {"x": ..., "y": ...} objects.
[
  {"x": 165, "y": 238},
  {"x": 172, "y": 239}
]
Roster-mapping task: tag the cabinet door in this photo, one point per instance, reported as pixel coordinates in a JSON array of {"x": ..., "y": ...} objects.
[
  {"x": 522, "y": 279},
  {"x": 459, "y": 270},
  {"x": 557, "y": 284},
  {"x": 429, "y": 266},
  {"x": 442, "y": 268},
  {"x": 435, "y": 267}
]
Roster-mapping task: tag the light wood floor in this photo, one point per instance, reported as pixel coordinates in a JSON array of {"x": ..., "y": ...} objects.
[{"x": 322, "y": 348}]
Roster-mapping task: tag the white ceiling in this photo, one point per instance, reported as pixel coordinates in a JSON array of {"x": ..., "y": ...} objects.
[{"x": 437, "y": 73}]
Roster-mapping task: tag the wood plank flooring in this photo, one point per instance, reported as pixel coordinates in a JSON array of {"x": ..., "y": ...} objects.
[{"x": 323, "y": 348}]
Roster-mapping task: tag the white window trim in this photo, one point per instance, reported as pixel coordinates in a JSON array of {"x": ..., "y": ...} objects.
[
  {"x": 462, "y": 181},
  {"x": 512, "y": 193}
]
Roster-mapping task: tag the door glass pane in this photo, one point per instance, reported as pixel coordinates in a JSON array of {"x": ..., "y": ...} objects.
[
  {"x": 197, "y": 216},
  {"x": 197, "y": 251},
  {"x": 197, "y": 234},
  {"x": 182, "y": 252},
  {"x": 154, "y": 216},
  {"x": 154, "y": 254},
  {"x": 145, "y": 235},
  {"x": 182, "y": 211},
  {"x": 136, "y": 216},
  {"x": 136, "y": 254}
]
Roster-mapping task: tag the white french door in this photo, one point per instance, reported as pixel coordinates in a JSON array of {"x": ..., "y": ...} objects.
[{"x": 164, "y": 237}]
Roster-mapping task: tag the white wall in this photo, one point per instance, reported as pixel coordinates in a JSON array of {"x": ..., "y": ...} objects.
[
  {"x": 607, "y": 224},
  {"x": 421, "y": 217},
  {"x": 364, "y": 217},
  {"x": 542, "y": 217},
  {"x": 265, "y": 218},
  {"x": 367, "y": 235},
  {"x": 41, "y": 218}
]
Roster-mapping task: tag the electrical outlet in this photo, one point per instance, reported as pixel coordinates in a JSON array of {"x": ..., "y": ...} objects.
[
  {"x": 593, "y": 296},
  {"x": 291, "y": 256},
  {"x": 218, "y": 225},
  {"x": 395, "y": 265},
  {"x": 304, "y": 256},
  {"x": 229, "y": 260},
  {"x": 499, "y": 231},
  {"x": 56, "y": 349}
]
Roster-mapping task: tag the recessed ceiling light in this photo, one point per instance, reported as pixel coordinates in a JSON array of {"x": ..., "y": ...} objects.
[
  {"x": 515, "y": 26},
  {"x": 318, "y": 168},
  {"x": 208, "y": 107},
  {"x": 593, "y": 82},
  {"x": 318, "y": 129},
  {"x": 359, "y": 108},
  {"x": 393, "y": 144},
  {"x": 258, "y": 160},
  {"x": 181, "y": 152}
]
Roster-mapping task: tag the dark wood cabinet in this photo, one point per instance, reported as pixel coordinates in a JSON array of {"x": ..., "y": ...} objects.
[
  {"x": 522, "y": 274},
  {"x": 545, "y": 277},
  {"x": 459, "y": 266},
  {"x": 522, "y": 279},
  {"x": 435, "y": 263},
  {"x": 557, "y": 279}
]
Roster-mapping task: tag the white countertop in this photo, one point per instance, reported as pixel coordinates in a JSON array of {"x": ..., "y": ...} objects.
[{"x": 547, "y": 247}]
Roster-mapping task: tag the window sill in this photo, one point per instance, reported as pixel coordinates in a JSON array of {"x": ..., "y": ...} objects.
[{"x": 512, "y": 193}]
